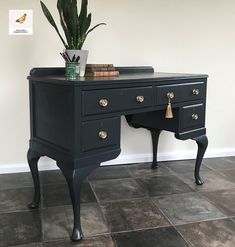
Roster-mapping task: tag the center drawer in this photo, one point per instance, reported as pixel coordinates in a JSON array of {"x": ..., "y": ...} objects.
[
  {"x": 113, "y": 100},
  {"x": 180, "y": 92}
]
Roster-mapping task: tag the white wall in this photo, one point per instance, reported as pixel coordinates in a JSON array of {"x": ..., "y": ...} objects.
[{"x": 171, "y": 35}]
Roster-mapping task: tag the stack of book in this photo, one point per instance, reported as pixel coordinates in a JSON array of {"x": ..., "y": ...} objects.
[{"x": 101, "y": 70}]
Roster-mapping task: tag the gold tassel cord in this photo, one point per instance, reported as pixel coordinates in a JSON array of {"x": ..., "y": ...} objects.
[{"x": 169, "y": 113}]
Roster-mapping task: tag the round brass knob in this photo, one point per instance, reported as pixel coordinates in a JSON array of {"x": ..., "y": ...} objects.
[
  {"x": 103, "y": 134},
  {"x": 103, "y": 102},
  {"x": 170, "y": 95},
  {"x": 196, "y": 91},
  {"x": 195, "y": 116},
  {"x": 140, "y": 99}
]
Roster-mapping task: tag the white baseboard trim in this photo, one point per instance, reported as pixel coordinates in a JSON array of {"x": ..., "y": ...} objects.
[{"x": 47, "y": 164}]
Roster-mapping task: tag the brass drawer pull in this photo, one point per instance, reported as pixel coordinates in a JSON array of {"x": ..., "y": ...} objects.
[
  {"x": 170, "y": 95},
  {"x": 196, "y": 91},
  {"x": 103, "y": 102},
  {"x": 140, "y": 99},
  {"x": 103, "y": 135},
  {"x": 195, "y": 116}
]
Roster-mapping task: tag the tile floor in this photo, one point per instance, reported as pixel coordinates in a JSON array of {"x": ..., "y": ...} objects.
[{"x": 125, "y": 206}]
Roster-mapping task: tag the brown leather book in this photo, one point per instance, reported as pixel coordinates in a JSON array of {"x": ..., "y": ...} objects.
[
  {"x": 95, "y": 69},
  {"x": 99, "y": 65},
  {"x": 102, "y": 73}
]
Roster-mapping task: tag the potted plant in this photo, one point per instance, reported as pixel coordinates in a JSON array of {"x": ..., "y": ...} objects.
[{"x": 76, "y": 27}]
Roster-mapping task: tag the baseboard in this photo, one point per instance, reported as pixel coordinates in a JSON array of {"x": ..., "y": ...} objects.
[{"x": 47, "y": 164}]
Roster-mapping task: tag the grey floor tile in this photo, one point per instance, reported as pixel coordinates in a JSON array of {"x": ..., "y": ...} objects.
[
  {"x": 184, "y": 166},
  {"x": 58, "y": 195},
  {"x": 15, "y": 199},
  {"x": 212, "y": 181},
  {"x": 220, "y": 163},
  {"x": 223, "y": 200},
  {"x": 109, "y": 172},
  {"x": 219, "y": 233},
  {"x": 16, "y": 180},
  {"x": 92, "y": 219},
  {"x": 133, "y": 215},
  {"x": 163, "y": 185},
  {"x": 20, "y": 228},
  {"x": 162, "y": 237},
  {"x": 52, "y": 177},
  {"x": 55, "y": 195},
  {"x": 228, "y": 174},
  {"x": 187, "y": 208},
  {"x": 203, "y": 215},
  {"x": 55, "y": 223},
  {"x": 99, "y": 241},
  {"x": 117, "y": 189},
  {"x": 87, "y": 194},
  {"x": 58, "y": 221},
  {"x": 145, "y": 170}
]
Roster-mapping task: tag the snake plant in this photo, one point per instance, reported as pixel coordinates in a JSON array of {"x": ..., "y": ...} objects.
[{"x": 76, "y": 27}]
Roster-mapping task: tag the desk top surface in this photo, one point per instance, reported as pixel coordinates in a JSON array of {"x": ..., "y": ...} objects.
[{"x": 47, "y": 75}]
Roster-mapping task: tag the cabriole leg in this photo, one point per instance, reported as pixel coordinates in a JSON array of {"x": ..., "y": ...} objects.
[
  {"x": 155, "y": 133},
  {"x": 202, "y": 143},
  {"x": 33, "y": 158},
  {"x": 75, "y": 178}
]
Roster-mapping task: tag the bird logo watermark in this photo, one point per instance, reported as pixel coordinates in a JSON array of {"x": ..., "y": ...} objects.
[{"x": 22, "y": 19}]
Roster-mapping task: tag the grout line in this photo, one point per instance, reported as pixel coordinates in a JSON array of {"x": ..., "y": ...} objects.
[
  {"x": 182, "y": 236},
  {"x": 111, "y": 179},
  {"x": 140, "y": 229},
  {"x": 191, "y": 223},
  {"x": 21, "y": 211},
  {"x": 114, "y": 241},
  {"x": 201, "y": 193},
  {"x": 171, "y": 224},
  {"x": 92, "y": 189},
  {"x": 97, "y": 201},
  {"x": 200, "y": 221},
  {"x": 124, "y": 200}
]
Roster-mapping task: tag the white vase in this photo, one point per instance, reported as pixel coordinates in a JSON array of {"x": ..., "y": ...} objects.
[{"x": 83, "y": 54}]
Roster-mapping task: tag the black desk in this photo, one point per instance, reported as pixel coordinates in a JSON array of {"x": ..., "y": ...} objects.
[{"x": 77, "y": 123}]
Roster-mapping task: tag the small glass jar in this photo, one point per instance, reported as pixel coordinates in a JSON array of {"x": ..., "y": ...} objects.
[{"x": 72, "y": 70}]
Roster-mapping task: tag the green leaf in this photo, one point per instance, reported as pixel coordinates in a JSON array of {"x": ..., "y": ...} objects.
[
  {"x": 51, "y": 21},
  {"x": 74, "y": 21},
  {"x": 87, "y": 23},
  {"x": 82, "y": 17},
  {"x": 60, "y": 6},
  {"x": 69, "y": 19},
  {"x": 95, "y": 27}
]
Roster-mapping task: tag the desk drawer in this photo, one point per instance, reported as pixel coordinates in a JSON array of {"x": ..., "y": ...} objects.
[
  {"x": 100, "y": 133},
  {"x": 113, "y": 100},
  {"x": 182, "y": 92},
  {"x": 192, "y": 116}
]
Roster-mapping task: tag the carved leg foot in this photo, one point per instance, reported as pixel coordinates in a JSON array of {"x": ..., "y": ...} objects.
[
  {"x": 75, "y": 178},
  {"x": 33, "y": 158},
  {"x": 202, "y": 143},
  {"x": 155, "y": 138}
]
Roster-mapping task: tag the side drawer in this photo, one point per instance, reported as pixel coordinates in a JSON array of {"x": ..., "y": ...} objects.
[
  {"x": 182, "y": 92},
  {"x": 100, "y": 133},
  {"x": 113, "y": 100},
  {"x": 192, "y": 116}
]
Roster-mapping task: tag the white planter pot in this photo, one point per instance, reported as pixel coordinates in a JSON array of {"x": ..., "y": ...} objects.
[{"x": 83, "y": 54}]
